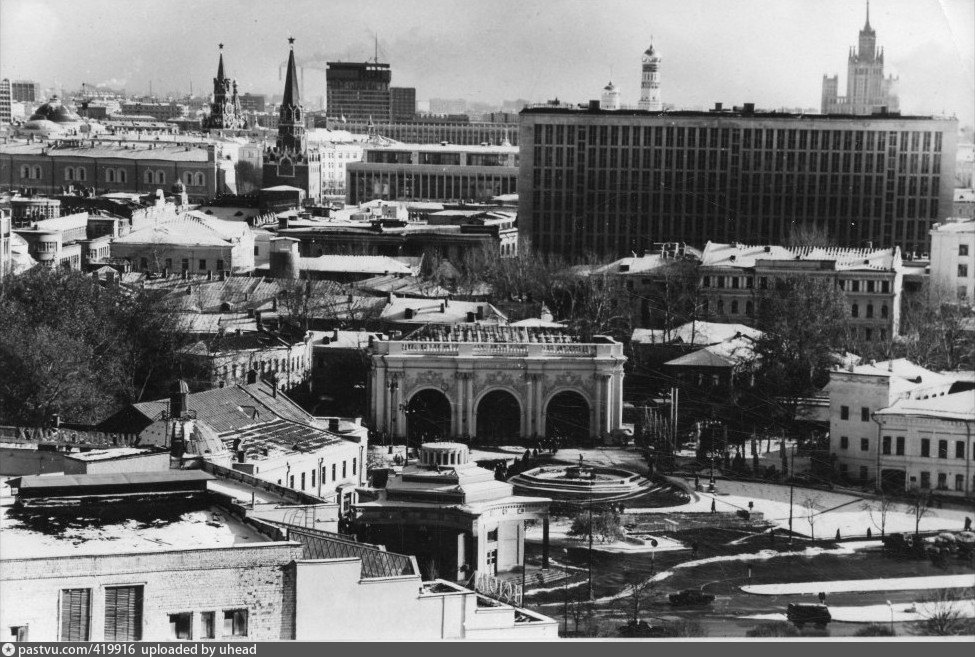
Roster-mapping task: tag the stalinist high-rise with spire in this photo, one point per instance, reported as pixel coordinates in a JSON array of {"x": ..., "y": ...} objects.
[
  {"x": 867, "y": 90},
  {"x": 225, "y": 112},
  {"x": 650, "y": 81},
  {"x": 289, "y": 161}
]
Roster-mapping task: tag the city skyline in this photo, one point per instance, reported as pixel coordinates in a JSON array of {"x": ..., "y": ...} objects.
[{"x": 574, "y": 47}]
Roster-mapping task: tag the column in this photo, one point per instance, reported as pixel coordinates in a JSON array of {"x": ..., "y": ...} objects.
[
  {"x": 458, "y": 425},
  {"x": 597, "y": 410},
  {"x": 469, "y": 402},
  {"x": 527, "y": 412},
  {"x": 545, "y": 542},
  {"x": 462, "y": 573},
  {"x": 618, "y": 408}
]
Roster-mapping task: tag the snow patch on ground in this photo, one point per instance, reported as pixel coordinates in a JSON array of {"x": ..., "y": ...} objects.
[
  {"x": 861, "y": 585},
  {"x": 849, "y": 514},
  {"x": 559, "y": 537},
  {"x": 898, "y": 613}
]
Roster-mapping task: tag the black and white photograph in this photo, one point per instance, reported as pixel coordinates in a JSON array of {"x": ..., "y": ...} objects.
[{"x": 535, "y": 321}]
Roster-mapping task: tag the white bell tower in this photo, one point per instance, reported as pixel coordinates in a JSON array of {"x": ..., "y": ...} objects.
[{"x": 650, "y": 82}]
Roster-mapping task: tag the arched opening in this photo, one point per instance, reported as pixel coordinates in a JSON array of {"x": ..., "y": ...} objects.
[
  {"x": 567, "y": 418},
  {"x": 428, "y": 417},
  {"x": 498, "y": 417}
]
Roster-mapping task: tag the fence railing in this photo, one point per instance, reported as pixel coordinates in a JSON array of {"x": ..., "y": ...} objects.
[{"x": 499, "y": 589}]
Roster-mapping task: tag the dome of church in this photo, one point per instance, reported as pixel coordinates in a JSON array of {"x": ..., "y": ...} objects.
[{"x": 55, "y": 112}]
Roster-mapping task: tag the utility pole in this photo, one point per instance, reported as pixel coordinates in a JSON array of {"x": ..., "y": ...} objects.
[
  {"x": 791, "y": 491},
  {"x": 590, "y": 550}
]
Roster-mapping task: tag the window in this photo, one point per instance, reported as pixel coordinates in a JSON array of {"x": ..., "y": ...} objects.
[
  {"x": 82, "y": 173},
  {"x": 333, "y": 472},
  {"x": 963, "y": 249},
  {"x": 203, "y": 265},
  {"x": 123, "y": 613},
  {"x": 844, "y": 442},
  {"x": 900, "y": 446},
  {"x": 37, "y": 173},
  {"x": 925, "y": 447},
  {"x": 199, "y": 179},
  {"x": 109, "y": 175},
  {"x": 960, "y": 449},
  {"x": 353, "y": 466},
  {"x": 189, "y": 178},
  {"x": 18, "y": 633},
  {"x": 864, "y": 444},
  {"x": 291, "y": 478},
  {"x": 181, "y": 626},
  {"x": 959, "y": 485},
  {"x": 492, "y": 535},
  {"x": 235, "y": 622},
  {"x": 302, "y": 481},
  {"x": 147, "y": 178},
  {"x": 313, "y": 478},
  {"x": 962, "y": 271},
  {"x": 257, "y": 250},
  {"x": 855, "y": 310},
  {"x": 122, "y": 175},
  {"x": 942, "y": 481},
  {"x": 844, "y": 412},
  {"x": 885, "y": 447},
  {"x": 208, "y": 625},
  {"x": 864, "y": 414},
  {"x": 185, "y": 264},
  {"x": 161, "y": 177},
  {"x": 925, "y": 480},
  {"x": 343, "y": 469},
  {"x": 942, "y": 449},
  {"x": 75, "y": 614},
  {"x": 69, "y": 173},
  {"x": 219, "y": 265}
]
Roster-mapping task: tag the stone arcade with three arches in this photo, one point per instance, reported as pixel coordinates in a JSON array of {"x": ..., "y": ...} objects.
[{"x": 495, "y": 384}]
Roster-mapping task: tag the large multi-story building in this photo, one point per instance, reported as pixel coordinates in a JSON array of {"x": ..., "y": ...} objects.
[
  {"x": 734, "y": 276},
  {"x": 432, "y": 172},
  {"x": 115, "y": 166},
  {"x": 617, "y": 181},
  {"x": 896, "y": 424},
  {"x": 436, "y": 131},
  {"x": 158, "y": 111},
  {"x": 358, "y": 91},
  {"x": 402, "y": 103},
  {"x": 6, "y": 102},
  {"x": 953, "y": 260},
  {"x": 253, "y": 102},
  {"x": 25, "y": 91},
  {"x": 867, "y": 90}
]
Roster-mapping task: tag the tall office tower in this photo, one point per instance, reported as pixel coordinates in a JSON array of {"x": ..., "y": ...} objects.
[
  {"x": 357, "y": 91},
  {"x": 402, "y": 103},
  {"x": 650, "y": 81},
  {"x": 225, "y": 110},
  {"x": 5, "y": 101},
  {"x": 867, "y": 90},
  {"x": 616, "y": 181},
  {"x": 25, "y": 91}
]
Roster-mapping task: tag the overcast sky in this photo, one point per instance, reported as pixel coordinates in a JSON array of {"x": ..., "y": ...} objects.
[{"x": 770, "y": 52}]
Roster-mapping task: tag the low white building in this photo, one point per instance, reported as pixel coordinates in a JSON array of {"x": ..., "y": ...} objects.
[
  {"x": 191, "y": 242},
  {"x": 901, "y": 426},
  {"x": 953, "y": 259}
]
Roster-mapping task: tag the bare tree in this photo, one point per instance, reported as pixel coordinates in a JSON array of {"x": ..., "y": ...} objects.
[
  {"x": 934, "y": 330},
  {"x": 811, "y": 508},
  {"x": 944, "y": 613},
  {"x": 809, "y": 235},
  {"x": 920, "y": 505},
  {"x": 878, "y": 512}
]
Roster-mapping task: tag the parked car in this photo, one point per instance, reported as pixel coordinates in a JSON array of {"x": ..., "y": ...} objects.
[
  {"x": 690, "y": 598},
  {"x": 801, "y": 613},
  {"x": 642, "y": 630}
]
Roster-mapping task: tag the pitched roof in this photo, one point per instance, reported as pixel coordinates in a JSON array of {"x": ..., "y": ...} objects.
[
  {"x": 188, "y": 228},
  {"x": 730, "y": 353},
  {"x": 745, "y": 256},
  {"x": 699, "y": 333},
  {"x": 952, "y": 406},
  {"x": 355, "y": 264},
  {"x": 424, "y": 311}
]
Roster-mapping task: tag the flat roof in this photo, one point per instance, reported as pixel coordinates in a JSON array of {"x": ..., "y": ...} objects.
[
  {"x": 27, "y": 534},
  {"x": 41, "y": 482},
  {"x": 729, "y": 114}
]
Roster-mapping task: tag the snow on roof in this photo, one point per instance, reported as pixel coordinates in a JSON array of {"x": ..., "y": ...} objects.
[
  {"x": 730, "y": 353},
  {"x": 423, "y": 311},
  {"x": 956, "y": 225},
  {"x": 700, "y": 333},
  {"x": 110, "y": 454},
  {"x": 60, "y": 224},
  {"x": 745, "y": 256},
  {"x": 188, "y": 228},
  {"x": 953, "y": 406},
  {"x": 963, "y": 195},
  {"x": 355, "y": 264}
]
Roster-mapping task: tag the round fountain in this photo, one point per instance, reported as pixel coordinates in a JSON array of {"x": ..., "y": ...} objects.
[{"x": 597, "y": 483}]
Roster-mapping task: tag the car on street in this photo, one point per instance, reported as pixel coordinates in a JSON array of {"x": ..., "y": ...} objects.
[
  {"x": 800, "y": 613},
  {"x": 690, "y": 598}
]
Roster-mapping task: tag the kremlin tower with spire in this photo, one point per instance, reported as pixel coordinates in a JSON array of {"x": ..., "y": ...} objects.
[
  {"x": 650, "y": 81},
  {"x": 867, "y": 90},
  {"x": 225, "y": 112},
  {"x": 290, "y": 162}
]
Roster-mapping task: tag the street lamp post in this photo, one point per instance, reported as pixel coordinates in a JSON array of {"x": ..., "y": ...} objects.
[
  {"x": 891, "y": 607},
  {"x": 393, "y": 387}
]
